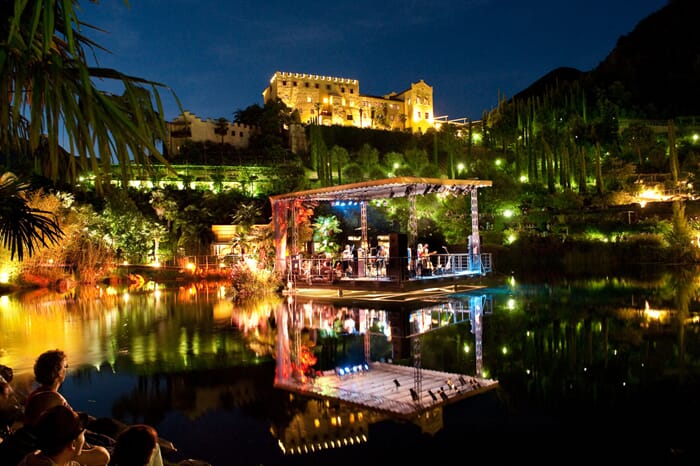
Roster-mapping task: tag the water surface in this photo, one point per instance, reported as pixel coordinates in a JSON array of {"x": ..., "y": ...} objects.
[{"x": 591, "y": 371}]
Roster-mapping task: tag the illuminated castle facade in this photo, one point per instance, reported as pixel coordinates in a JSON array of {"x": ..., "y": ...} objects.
[
  {"x": 328, "y": 100},
  {"x": 189, "y": 127}
]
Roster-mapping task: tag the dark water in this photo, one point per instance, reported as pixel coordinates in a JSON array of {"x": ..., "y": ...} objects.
[{"x": 596, "y": 371}]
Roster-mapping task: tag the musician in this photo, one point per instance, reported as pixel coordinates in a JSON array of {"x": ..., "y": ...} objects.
[
  {"x": 347, "y": 259},
  {"x": 419, "y": 259},
  {"x": 380, "y": 261},
  {"x": 426, "y": 263}
]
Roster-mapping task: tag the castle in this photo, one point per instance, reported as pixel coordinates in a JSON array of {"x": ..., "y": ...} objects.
[
  {"x": 188, "y": 127},
  {"x": 323, "y": 100},
  {"x": 328, "y": 100}
]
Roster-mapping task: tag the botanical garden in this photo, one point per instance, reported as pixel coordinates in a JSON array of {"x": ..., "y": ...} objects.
[{"x": 577, "y": 175}]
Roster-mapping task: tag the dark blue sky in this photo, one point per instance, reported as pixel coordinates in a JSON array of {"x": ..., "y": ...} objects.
[{"x": 218, "y": 56}]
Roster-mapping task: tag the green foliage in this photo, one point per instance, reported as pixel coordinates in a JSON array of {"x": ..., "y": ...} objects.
[
  {"x": 248, "y": 283},
  {"x": 353, "y": 173},
  {"x": 566, "y": 200},
  {"x": 352, "y": 138},
  {"x": 194, "y": 232},
  {"x": 680, "y": 237},
  {"x": 325, "y": 230},
  {"x": 23, "y": 228},
  {"x": 49, "y": 85},
  {"x": 129, "y": 229}
]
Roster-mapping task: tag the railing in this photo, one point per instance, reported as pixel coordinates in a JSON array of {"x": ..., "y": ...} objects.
[{"x": 332, "y": 269}]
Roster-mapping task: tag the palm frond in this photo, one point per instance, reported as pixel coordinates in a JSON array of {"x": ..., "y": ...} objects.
[
  {"x": 49, "y": 84},
  {"x": 23, "y": 228}
]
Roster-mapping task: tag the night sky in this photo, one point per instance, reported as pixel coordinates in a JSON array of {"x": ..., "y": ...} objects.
[{"x": 218, "y": 56}]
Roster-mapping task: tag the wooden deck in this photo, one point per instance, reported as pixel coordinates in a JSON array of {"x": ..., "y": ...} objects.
[{"x": 387, "y": 388}]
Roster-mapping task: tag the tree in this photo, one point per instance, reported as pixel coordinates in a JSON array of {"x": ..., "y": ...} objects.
[
  {"x": 246, "y": 214},
  {"x": 49, "y": 90},
  {"x": 325, "y": 229},
  {"x": 221, "y": 128},
  {"x": 339, "y": 158},
  {"x": 48, "y": 86},
  {"x": 22, "y": 227},
  {"x": 194, "y": 228},
  {"x": 638, "y": 139},
  {"x": 251, "y": 115},
  {"x": 129, "y": 228}
]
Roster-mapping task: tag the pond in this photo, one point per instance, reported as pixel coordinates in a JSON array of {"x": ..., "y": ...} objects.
[{"x": 597, "y": 370}]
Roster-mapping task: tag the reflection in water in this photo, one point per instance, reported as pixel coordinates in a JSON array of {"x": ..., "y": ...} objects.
[
  {"x": 154, "y": 327},
  {"x": 341, "y": 416},
  {"x": 579, "y": 364}
]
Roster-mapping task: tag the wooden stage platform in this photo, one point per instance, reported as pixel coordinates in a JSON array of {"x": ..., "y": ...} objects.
[
  {"x": 385, "y": 296},
  {"x": 388, "y": 388}
]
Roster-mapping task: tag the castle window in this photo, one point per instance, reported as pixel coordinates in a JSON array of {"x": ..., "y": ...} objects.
[
  {"x": 328, "y": 87},
  {"x": 427, "y": 115},
  {"x": 349, "y": 117},
  {"x": 306, "y": 84},
  {"x": 342, "y": 89},
  {"x": 294, "y": 83},
  {"x": 308, "y": 99},
  {"x": 352, "y": 91},
  {"x": 241, "y": 133},
  {"x": 284, "y": 83},
  {"x": 316, "y": 85}
]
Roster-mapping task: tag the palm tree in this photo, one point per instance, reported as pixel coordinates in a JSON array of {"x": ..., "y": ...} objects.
[
  {"x": 49, "y": 90},
  {"x": 23, "y": 228},
  {"x": 49, "y": 87},
  {"x": 221, "y": 128},
  {"x": 246, "y": 214}
]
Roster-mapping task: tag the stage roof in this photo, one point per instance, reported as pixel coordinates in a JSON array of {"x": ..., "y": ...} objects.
[{"x": 385, "y": 189}]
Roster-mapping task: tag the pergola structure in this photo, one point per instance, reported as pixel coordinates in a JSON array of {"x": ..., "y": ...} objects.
[{"x": 284, "y": 206}]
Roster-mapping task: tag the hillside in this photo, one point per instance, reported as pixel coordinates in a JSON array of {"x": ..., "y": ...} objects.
[{"x": 653, "y": 72}]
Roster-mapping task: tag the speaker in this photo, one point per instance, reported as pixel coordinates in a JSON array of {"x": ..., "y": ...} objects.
[{"x": 397, "y": 265}]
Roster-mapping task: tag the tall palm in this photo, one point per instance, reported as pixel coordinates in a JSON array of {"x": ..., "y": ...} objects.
[
  {"x": 23, "y": 228},
  {"x": 48, "y": 90},
  {"x": 50, "y": 87}
]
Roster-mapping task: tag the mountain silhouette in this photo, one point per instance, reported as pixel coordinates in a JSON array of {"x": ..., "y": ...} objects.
[{"x": 653, "y": 72}]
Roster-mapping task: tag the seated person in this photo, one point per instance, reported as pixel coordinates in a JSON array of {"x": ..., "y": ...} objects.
[
  {"x": 306, "y": 269},
  {"x": 137, "y": 445},
  {"x": 380, "y": 258},
  {"x": 347, "y": 259},
  {"x": 25, "y": 439},
  {"x": 338, "y": 269},
  {"x": 11, "y": 411},
  {"x": 326, "y": 268},
  {"x": 50, "y": 371},
  {"x": 60, "y": 435}
]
